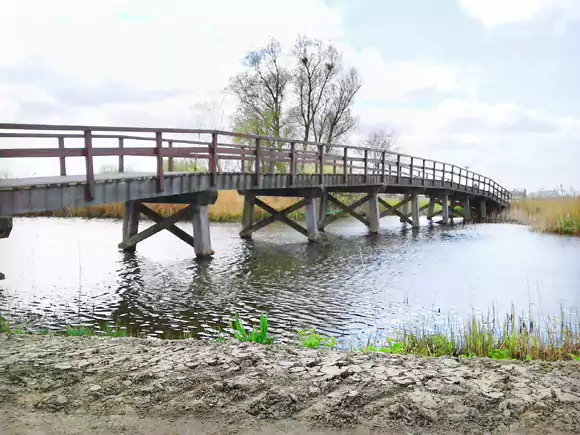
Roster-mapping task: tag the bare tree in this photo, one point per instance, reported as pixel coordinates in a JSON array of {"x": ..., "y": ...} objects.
[
  {"x": 261, "y": 91},
  {"x": 324, "y": 93},
  {"x": 336, "y": 118},
  {"x": 379, "y": 141}
]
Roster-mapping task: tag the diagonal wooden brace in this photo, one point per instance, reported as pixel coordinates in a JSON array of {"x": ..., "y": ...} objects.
[
  {"x": 276, "y": 215},
  {"x": 350, "y": 209},
  {"x": 394, "y": 209},
  {"x": 162, "y": 223}
]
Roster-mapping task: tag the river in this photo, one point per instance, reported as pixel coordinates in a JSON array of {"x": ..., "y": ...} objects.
[{"x": 68, "y": 271}]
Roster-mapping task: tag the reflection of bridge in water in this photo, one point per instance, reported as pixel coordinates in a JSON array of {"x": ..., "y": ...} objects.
[{"x": 256, "y": 166}]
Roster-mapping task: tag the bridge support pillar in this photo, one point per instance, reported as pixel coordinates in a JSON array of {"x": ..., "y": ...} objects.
[
  {"x": 201, "y": 233},
  {"x": 482, "y": 211},
  {"x": 247, "y": 216},
  {"x": 405, "y": 208},
  {"x": 431, "y": 208},
  {"x": 322, "y": 208},
  {"x": 311, "y": 220},
  {"x": 467, "y": 210},
  {"x": 373, "y": 213},
  {"x": 130, "y": 223},
  {"x": 445, "y": 209},
  {"x": 415, "y": 210}
]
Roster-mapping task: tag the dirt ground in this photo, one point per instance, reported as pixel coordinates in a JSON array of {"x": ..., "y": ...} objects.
[{"x": 69, "y": 385}]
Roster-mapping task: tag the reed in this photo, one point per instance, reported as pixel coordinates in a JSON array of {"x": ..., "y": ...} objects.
[{"x": 560, "y": 215}]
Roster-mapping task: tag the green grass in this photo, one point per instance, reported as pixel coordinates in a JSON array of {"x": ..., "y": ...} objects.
[
  {"x": 4, "y": 325},
  {"x": 311, "y": 339},
  {"x": 255, "y": 335},
  {"x": 79, "y": 331}
]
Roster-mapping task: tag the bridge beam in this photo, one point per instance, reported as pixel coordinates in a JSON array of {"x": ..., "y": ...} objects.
[
  {"x": 393, "y": 210},
  {"x": 282, "y": 216}
]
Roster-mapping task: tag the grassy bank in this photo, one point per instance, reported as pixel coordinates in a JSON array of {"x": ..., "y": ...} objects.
[
  {"x": 559, "y": 215},
  {"x": 520, "y": 337}
]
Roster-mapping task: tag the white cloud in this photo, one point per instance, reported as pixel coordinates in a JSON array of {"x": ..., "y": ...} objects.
[
  {"x": 493, "y": 13},
  {"x": 515, "y": 146}
]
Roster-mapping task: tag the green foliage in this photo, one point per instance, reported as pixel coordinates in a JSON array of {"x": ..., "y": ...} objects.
[
  {"x": 4, "y": 326},
  {"x": 502, "y": 354},
  {"x": 574, "y": 357},
  {"x": 312, "y": 340},
  {"x": 116, "y": 331},
  {"x": 79, "y": 331},
  {"x": 259, "y": 336}
]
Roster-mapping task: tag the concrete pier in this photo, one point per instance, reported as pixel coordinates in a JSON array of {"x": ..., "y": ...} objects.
[
  {"x": 247, "y": 216},
  {"x": 445, "y": 209},
  {"x": 311, "y": 220},
  {"x": 373, "y": 213},
  {"x": 431, "y": 208},
  {"x": 201, "y": 233},
  {"x": 130, "y": 223},
  {"x": 415, "y": 210}
]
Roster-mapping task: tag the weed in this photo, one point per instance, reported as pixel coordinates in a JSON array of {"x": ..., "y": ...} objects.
[
  {"x": 574, "y": 357},
  {"x": 116, "y": 331},
  {"x": 255, "y": 335},
  {"x": 79, "y": 331},
  {"x": 312, "y": 340}
]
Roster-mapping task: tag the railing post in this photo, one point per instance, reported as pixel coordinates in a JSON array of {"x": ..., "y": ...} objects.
[
  {"x": 444, "y": 171},
  {"x": 62, "y": 158},
  {"x": 90, "y": 188},
  {"x": 383, "y": 161},
  {"x": 213, "y": 159},
  {"x": 257, "y": 164},
  {"x": 121, "y": 156},
  {"x": 412, "y": 175},
  {"x": 434, "y": 171},
  {"x": 345, "y": 165},
  {"x": 159, "y": 152},
  {"x": 423, "y": 172},
  {"x": 460, "y": 170},
  {"x": 321, "y": 164},
  {"x": 292, "y": 163},
  {"x": 170, "y": 158},
  {"x": 398, "y": 169},
  {"x": 366, "y": 164}
]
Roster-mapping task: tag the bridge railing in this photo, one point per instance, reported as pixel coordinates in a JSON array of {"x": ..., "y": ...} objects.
[{"x": 216, "y": 152}]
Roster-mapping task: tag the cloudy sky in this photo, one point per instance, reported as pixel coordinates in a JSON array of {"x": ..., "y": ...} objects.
[{"x": 489, "y": 84}]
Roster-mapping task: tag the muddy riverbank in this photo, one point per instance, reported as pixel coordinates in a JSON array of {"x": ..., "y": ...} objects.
[{"x": 100, "y": 385}]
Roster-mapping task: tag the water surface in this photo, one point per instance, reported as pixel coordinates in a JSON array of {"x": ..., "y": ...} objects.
[{"x": 62, "y": 271}]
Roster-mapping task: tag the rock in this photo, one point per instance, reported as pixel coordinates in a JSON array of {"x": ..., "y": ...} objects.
[
  {"x": 314, "y": 391},
  {"x": 402, "y": 380},
  {"x": 495, "y": 395},
  {"x": 63, "y": 366},
  {"x": 127, "y": 383},
  {"x": 293, "y": 397},
  {"x": 331, "y": 371},
  {"x": 94, "y": 388},
  {"x": 286, "y": 364},
  {"x": 567, "y": 397}
]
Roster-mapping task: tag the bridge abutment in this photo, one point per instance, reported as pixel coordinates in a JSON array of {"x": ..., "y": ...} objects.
[
  {"x": 414, "y": 210},
  {"x": 373, "y": 213}
]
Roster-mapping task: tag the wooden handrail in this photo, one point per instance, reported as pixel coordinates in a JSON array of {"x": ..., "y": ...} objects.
[{"x": 417, "y": 170}]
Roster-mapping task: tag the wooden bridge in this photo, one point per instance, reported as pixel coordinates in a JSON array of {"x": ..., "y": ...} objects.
[{"x": 256, "y": 166}]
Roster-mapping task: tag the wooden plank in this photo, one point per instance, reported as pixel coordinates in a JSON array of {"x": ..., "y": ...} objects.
[
  {"x": 121, "y": 156},
  {"x": 170, "y": 158},
  {"x": 292, "y": 163},
  {"x": 213, "y": 159},
  {"x": 366, "y": 167},
  {"x": 345, "y": 165},
  {"x": 154, "y": 229},
  {"x": 321, "y": 164},
  {"x": 62, "y": 158},
  {"x": 159, "y": 153},
  {"x": 347, "y": 209},
  {"x": 90, "y": 187},
  {"x": 178, "y": 232},
  {"x": 42, "y": 152},
  {"x": 257, "y": 166}
]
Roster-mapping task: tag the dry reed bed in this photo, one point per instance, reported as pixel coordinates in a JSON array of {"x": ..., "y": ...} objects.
[{"x": 559, "y": 215}]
